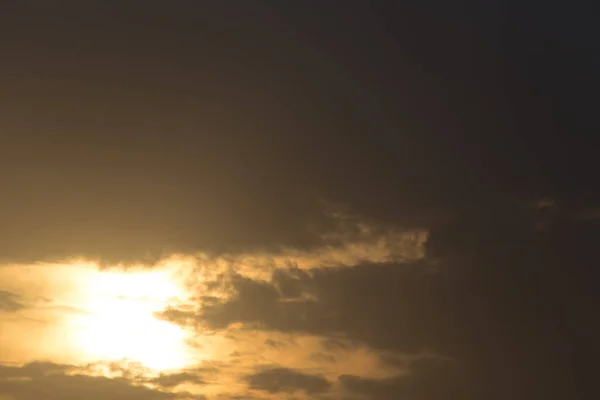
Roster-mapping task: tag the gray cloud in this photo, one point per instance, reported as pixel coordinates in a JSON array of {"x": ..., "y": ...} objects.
[{"x": 278, "y": 380}]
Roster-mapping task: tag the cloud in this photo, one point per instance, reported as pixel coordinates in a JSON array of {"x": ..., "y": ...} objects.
[
  {"x": 10, "y": 302},
  {"x": 171, "y": 380},
  {"x": 249, "y": 348},
  {"x": 495, "y": 304},
  {"x": 428, "y": 379},
  {"x": 58, "y": 382},
  {"x": 483, "y": 290},
  {"x": 393, "y": 312},
  {"x": 214, "y": 277},
  {"x": 167, "y": 211},
  {"x": 388, "y": 306},
  {"x": 231, "y": 356},
  {"x": 225, "y": 159},
  {"x": 278, "y": 380}
]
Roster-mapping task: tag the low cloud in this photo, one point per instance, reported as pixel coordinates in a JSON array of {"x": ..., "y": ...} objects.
[
  {"x": 172, "y": 380},
  {"x": 429, "y": 379},
  {"x": 59, "y": 382},
  {"x": 387, "y": 306},
  {"x": 357, "y": 318},
  {"x": 215, "y": 277},
  {"x": 277, "y": 380}
]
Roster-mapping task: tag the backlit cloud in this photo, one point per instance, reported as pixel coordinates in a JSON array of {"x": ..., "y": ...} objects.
[
  {"x": 56, "y": 382},
  {"x": 286, "y": 200}
]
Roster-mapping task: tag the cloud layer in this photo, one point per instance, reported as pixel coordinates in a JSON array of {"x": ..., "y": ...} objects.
[{"x": 375, "y": 201}]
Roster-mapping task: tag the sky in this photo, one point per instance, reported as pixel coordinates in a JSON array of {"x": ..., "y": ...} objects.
[{"x": 298, "y": 200}]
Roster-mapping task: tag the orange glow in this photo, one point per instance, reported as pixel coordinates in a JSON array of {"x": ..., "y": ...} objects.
[
  {"x": 85, "y": 314},
  {"x": 120, "y": 324}
]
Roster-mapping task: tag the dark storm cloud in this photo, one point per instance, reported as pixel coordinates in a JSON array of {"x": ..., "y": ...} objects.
[
  {"x": 50, "y": 381},
  {"x": 10, "y": 302},
  {"x": 279, "y": 380}
]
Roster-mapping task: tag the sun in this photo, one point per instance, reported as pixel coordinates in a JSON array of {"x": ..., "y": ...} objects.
[{"x": 119, "y": 319}]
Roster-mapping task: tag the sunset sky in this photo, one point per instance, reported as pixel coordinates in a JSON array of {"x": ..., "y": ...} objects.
[{"x": 329, "y": 200}]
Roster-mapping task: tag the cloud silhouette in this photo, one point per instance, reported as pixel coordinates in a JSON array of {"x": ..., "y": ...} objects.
[
  {"x": 491, "y": 294},
  {"x": 387, "y": 306},
  {"x": 171, "y": 380},
  {"x": 51, "y": 381},
  {"x": 281, "y": 380},
  {"x": 126, "y": 141}
]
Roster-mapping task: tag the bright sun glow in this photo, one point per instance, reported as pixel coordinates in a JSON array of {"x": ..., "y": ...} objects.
[{"x": 119, "y": 321}]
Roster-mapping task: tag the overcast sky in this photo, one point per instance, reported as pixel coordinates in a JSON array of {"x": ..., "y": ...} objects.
[{"x": 346, "y": 200}]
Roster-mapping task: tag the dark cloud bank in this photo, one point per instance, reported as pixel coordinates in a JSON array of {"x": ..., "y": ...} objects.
[{"x": 154, "y": 130}]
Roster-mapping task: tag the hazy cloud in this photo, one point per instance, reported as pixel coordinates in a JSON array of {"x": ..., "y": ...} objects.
[
  {"x": 10, "y": 302},
  {"x": 428, "y": 379},
  {"x": 285, "y": 380},
  {"x": 52, "y": 382},
  {"x": 494, "y": 289},
  {"x": 171, "y": 380},
  {"x": 339, "y": 187},
  {"x": 387, "y": 305}
]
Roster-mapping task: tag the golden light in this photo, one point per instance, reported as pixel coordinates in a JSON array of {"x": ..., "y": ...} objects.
[
  {"x": 77, "y": 313},
  {"x": 119, "y": 322}
]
